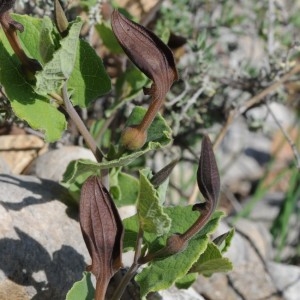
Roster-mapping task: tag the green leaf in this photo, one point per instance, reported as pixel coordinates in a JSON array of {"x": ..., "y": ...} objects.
[
  {"x": 152, "y": 218},
  {"x": 182, "y": 218},
  {"x": 131, "y": 226},
  {"x": 39, "y": 114},
  {"x": 186, "y": 281},
  {"x": 75, "y": 60},
  {"x": 48, "y": 41},
  {"x": 36, "y": 36},
  {"x": 108, "y": 38},
  {"x": 159, "y": 135},
  {"x": 77, "y": 172},
  {"x": 27, "y": 105},
  {"x": 211, "y": 261},
  {"x": 161, "y": 274},
  {"x": 89, "y": 79},
  {"x": 82, "y": 289},
  {"x": 60, "y": 67},
  {"x": 124, "y": 188}
]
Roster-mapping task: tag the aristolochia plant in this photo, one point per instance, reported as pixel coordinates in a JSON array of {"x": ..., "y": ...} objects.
[{"x": 47, "y": 66}]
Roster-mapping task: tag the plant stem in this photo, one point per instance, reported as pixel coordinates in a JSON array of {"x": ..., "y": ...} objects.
[
  {"x": 132, "y": 270},
  {"x": 199, "y": 223},
  {"x": 80, "y": 125}
]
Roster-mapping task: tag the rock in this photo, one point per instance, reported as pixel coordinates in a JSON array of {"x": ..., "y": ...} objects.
[
  {"x": 53, "y": 164},
  {"x": 257, "y": 235},
  {"x": 12, "y": 290},
  {"x": 4, "y": 168},
  {"x": 242, "y": 156},
  {"x": 42, "y": 252},
  {"x": 177, "y": 294},
  {"x": 19, "y": 150},
  {"x": 286, "y": 279},
  {"x": 266, "y": 211}
]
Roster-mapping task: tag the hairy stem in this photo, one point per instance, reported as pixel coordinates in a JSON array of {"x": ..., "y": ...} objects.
[{"x": 80, "y": 125}]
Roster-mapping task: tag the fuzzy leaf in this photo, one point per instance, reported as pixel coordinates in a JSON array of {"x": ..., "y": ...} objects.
[
  {"x": 89, "y": 79},
  {"x": 60, "y": 67},
  {"x": 161, "y": 274},
  {"x": 186, "y": 217},
  {"x": 27, "y": 105},
  {"x": 186, "y": 281},
  {"x": 150, "y": 211},
  {"x": 37, "y": 38},
  {"x": 211, "y": 261},
  {"x": 124, "y": 188}
]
